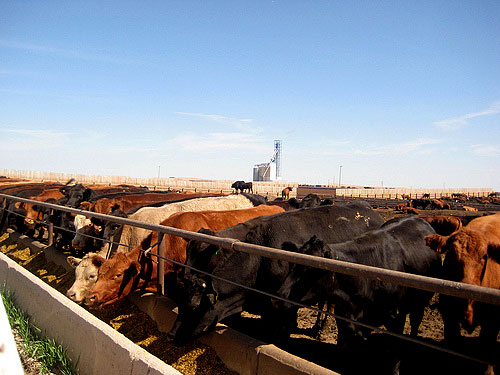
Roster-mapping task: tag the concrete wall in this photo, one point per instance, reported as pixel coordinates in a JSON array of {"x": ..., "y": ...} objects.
[
  {"x": 102, "y": 350},
  {"x": 105, "y": 351}
]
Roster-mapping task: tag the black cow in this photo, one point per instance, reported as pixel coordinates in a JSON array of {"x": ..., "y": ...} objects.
[
  {"x": 397, "y": 245},
  {"x": 76, "y": 194},
  {"x": 242, "y": 186},
  {"x": 204, "y": 301},
  {"x": 423, "y": 203}
]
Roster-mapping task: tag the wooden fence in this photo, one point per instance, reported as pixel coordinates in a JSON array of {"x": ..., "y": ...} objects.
[{"x": 270, "y": 189}]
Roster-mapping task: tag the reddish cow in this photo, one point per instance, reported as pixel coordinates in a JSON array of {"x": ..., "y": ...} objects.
[
  {"x": 472, "y": 257},
  {"x": 468, "y": 208},
  {"x": 444, "y": 225},
  {"x": 436, "y": 204},
  {"x": 401, "y": 206},
  {"x": 410, "y": 210},
  {"x": 285, "y": 193},
  {"x": 124, "y": 273}
]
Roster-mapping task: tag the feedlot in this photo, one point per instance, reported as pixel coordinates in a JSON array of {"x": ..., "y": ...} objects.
[{"x": 196, "y": 358}]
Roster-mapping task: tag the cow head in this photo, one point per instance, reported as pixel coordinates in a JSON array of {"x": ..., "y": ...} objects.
[
  {"x": 118, "y": 277},
  {"x": 76, "y": 194},
  {"x": 86, "y": 272},
  {"x": 197, "y": 310},
  {"x": 112, "y": 231},
  {"x": 299, "y": 280},
  {"x": 467, "y": 254},
  {"x": 197, "y": 296}
]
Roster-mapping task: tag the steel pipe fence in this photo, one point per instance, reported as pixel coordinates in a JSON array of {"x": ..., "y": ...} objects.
[
  {"x": 452, "y": 288},
  {"x": 456, "y": 289}
]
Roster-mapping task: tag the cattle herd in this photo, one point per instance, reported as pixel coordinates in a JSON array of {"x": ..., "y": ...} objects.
[{"x": 112, "y": 260}]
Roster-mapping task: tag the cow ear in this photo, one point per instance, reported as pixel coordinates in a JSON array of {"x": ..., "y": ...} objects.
[
  {"x": 133, "y": 269},
  {"x": 98, "y": 260},
  {"x": 206, "y": 231},
  {"x": 436, "y": 242},
  {"x": 85, "y": 205},
  {"x": 290, "y": 246},
  {"x": 146, "y": 243},
  {"x": 87, "y": 194},
  {"x": 19, "y": 204},
  {"x": 73, "y": 262},
  {"x": 116, "y": 206},
  {"x": 494, "y": 250}
]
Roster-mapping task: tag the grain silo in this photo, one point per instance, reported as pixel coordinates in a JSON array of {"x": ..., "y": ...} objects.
[{"x": 270, "y": 171}]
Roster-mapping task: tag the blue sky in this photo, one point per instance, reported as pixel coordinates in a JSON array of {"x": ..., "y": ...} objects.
[{"x": 400, "y": 93}]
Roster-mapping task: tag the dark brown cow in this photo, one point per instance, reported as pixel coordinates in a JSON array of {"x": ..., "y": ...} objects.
[
  {"x": 124, "y": 273},
  {"x": 472, "y": 257},
  {"x": 444, "y": 225},
  {"x": 410, "y": 210},
  {"x": 437, "y": 204},
  {"x": 285, "y": 193}
]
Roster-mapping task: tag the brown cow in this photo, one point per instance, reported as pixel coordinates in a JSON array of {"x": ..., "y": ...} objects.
[
  {"x": 401, "y": 206},
  {"x": 436, "y": 204},
  {"x": 410, "y": 210},
  {"x": 33, "y": 212},
  {"x": 285, "y": 193},
  {"x": 472, "y": 257},
  {"x": 468, "y": 208},
  {"x": 124, "y": 273},
  {"x": 444, "y": 225}
]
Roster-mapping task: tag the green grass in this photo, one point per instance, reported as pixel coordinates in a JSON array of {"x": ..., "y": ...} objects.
[{"x": 46, "y": 351}]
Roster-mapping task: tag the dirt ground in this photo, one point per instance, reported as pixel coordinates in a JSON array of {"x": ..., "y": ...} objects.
[
  {"x": 125, "y": 317},
  {"x": 375, "y": 357}
]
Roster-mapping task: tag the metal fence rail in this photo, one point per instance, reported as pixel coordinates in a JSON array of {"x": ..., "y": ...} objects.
[
  {"x": 452, "y": 288},
  {"x": 456, "y": 289}
]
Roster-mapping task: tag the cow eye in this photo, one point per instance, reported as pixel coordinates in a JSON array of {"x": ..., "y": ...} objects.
[
  {"x": 92, "y": 276},
  {"x": 119, "y": 275}
]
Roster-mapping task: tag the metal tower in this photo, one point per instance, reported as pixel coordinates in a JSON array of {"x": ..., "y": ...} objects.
[{"x": 277, "y": 158}]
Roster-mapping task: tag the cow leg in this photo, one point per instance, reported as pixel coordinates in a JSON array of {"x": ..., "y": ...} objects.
[{"x": 451, "y": 308}]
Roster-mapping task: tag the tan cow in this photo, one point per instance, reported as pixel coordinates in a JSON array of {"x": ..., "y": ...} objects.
[
  {"x": 113, "y": 284},
  {"x": 472, "y": 257},
  {"x": 468, "y": 208}
]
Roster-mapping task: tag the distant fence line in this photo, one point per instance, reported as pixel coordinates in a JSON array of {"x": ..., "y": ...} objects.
[
  {"x": 267, "y": 188},
  {"x": 270, "y": 189},
  {"x": 390, "y": 193}
]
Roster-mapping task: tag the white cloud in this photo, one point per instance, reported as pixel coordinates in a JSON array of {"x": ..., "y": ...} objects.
[
  {"x": 36, "y": 133},
  {"x": 68, "y": 53},
  {"x": 485, "y": 150},
  {"x": 419, "y": 145},
  {"x": 239, "y": 123},
  {"x": 458, "y": 122},
  {"x": 218, "y": 141}
]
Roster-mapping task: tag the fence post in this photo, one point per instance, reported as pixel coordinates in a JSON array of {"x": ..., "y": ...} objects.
[{"x": 161, "y": 266}]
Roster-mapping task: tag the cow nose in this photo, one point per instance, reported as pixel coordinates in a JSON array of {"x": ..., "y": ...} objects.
[
  {"x": 71, "y": 294},
  {"x": 76, "y": 244},
  {"x": 91, "y": 300}
]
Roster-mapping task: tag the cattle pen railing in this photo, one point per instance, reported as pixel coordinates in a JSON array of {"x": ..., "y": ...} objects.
[{"x": 452, "y": 288}]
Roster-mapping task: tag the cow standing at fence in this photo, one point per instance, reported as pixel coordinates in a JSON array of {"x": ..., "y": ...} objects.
[
  {"x": 472, "y": 256},
  {"x": 204, "y": 301},
  {"x": 111, "y": 287}
]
